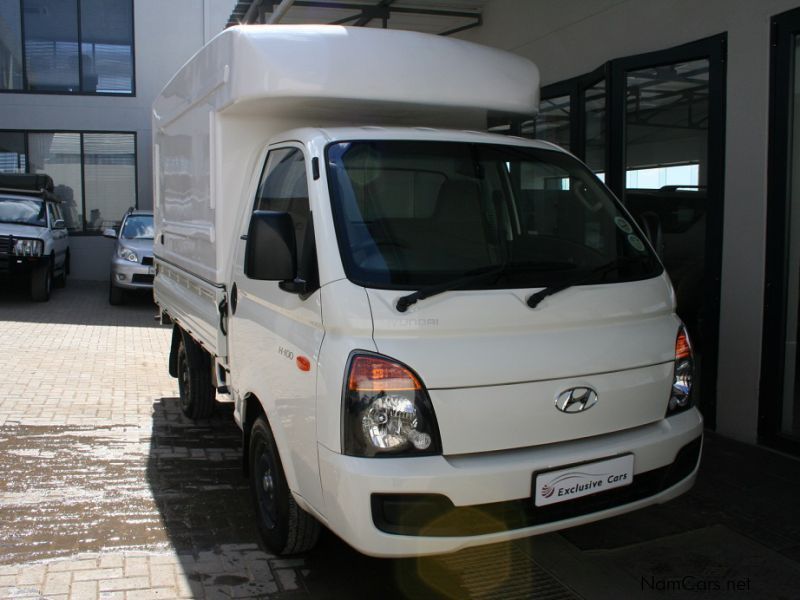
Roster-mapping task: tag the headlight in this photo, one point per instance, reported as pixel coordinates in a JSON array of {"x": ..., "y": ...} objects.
[
  {"x": 127, "y": 254},
  {"x": 680, "y": 398},
  {"x": 25, "y": 247},
  {"x": 387, "y": 411}
]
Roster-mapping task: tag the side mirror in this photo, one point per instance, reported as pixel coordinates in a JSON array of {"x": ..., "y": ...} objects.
[
  {"x": 110, "y": 233},
  {"x": 60, "y": 224},
  {"x": 271, "y": 251}
]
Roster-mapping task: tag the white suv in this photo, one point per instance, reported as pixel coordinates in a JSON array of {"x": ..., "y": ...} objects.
[{"x": 33, "y": 234}]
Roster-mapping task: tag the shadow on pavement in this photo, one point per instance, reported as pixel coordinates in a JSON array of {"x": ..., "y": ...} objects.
[
  {"x": 79, "y": 303},
  {"x": 737, "y": 530},
  {"x": 195, "y": 473}
]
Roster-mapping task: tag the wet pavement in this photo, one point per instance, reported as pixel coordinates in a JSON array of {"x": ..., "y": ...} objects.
[{"x": 109, "y": 492}]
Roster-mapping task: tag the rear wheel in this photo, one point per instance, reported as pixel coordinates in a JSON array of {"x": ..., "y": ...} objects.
[
  {"x": 196, "y": 390},
  {"x": 285, "y": 527},
  {"x": 41, "y": 280}
]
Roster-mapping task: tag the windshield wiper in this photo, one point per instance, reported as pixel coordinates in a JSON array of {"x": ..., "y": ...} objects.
[
  {"x": 453, "y": 284},
  {"x": 591, "y": 275}
]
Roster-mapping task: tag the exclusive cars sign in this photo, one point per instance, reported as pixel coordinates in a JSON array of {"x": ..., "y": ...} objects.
[{"x": 581, "y": 480}]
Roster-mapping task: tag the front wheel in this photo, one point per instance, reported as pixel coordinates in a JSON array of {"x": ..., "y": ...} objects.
[
  {"x": 116, "y": 295},
  {"x": 41, "y": 280},
  {"x": 61, "y": 280},
  {"x": 285, "y": 527}
]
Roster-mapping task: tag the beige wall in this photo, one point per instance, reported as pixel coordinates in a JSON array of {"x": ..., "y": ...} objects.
[{"x": 572, "y": 37}]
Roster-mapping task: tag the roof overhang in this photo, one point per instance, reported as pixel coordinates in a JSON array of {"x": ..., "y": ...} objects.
[{"x": 443, "y": 17}]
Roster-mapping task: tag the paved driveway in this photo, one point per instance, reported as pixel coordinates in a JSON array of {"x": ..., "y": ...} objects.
[{"x": 109, "y": 492}]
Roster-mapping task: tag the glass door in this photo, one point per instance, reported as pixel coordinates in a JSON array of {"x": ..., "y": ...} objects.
[
  {"x": 780, "y": 382},
  {"x": 666, "y": 174},
  {"x": 667, "y": 164},
  {"x": 553, "y": 121},
  {"x": 594, "y": 127},
  {"x": 790, "y": 417}
]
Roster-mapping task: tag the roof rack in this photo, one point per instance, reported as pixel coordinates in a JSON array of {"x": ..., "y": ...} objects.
[{"x": 37, "y": 184}]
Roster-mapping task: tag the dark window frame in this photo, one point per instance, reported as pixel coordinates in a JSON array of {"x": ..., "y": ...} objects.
[
  {"x": 785, "y": 27},
  {"x": 25, "y": 83},
  {"x": 83, "y": 232},
  {"x": 575, "y": 88}
]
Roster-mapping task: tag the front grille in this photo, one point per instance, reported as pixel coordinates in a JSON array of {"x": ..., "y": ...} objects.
[
  {"x": 5, "y": 244},
  {"x": 147, "y": 261},
  {"x": 142, "y": 279},
  {"x": 435, "y": 515}
]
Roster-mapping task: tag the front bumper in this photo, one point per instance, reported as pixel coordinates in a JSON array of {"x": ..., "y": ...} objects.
[
  {"x": 11, "y": 264},
  {"x": 388, "y": 507},
  {"x": 132, "y": 276}
]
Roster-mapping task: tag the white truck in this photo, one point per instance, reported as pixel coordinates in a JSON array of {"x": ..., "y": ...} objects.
[{"x": 434, "y": 337}]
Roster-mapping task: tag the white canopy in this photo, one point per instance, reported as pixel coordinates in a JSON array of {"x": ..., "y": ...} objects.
[{"x": 310, "y": 67}]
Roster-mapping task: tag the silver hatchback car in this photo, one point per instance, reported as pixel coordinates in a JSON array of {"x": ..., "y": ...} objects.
[{"x": 132, "y": 261}]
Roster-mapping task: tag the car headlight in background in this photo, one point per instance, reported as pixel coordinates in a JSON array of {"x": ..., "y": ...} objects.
[
  {"x": 387, "y": 411},
  {"x": 127, "y": 254},
  {"x": 27, "y": 247},
  {"x": 680, "y": 398}
]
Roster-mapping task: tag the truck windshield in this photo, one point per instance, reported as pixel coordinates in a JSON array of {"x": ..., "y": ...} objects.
[
  {"x": 23, "y": 210},
  {"x": 138, "y": 227},
  {"x": 411, "y": 214}
]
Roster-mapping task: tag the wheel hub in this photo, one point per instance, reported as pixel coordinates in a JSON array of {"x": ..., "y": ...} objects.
[{"x": 267, "y": 482}]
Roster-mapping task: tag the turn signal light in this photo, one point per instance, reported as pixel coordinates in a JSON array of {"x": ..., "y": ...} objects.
[
  {"x": 374, "y": 374},
  {"x": 682, "y": 347},
  {"x": 680, "y": 398}
]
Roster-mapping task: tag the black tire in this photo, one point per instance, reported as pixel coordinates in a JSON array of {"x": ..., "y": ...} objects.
[
  {"x": 41, "y": 282},
  {"x": 196, "y": 390},
  {"x": 61, "y": 280},
  {"x": 284, "y": 526},
  {"x": 116, "y": 295}
]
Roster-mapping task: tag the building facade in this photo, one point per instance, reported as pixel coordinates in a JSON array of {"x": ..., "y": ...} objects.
[{"x": 77, "y": 81}]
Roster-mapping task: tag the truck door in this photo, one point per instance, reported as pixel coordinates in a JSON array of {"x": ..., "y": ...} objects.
[{"x": 275, "y": 335}]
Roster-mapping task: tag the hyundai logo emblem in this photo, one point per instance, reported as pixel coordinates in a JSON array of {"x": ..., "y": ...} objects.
[{"x": 577, "y": 399}]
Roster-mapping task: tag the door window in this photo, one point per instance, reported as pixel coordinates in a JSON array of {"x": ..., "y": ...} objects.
[{"x": 284, "y": 188}]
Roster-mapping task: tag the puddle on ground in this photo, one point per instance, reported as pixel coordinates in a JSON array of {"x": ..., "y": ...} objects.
[{"x": 171, "y": 483}]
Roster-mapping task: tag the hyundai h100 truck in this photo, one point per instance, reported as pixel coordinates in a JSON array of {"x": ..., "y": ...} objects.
[{"x": 434, "y": 337}]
